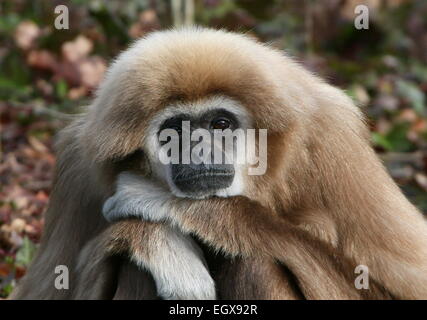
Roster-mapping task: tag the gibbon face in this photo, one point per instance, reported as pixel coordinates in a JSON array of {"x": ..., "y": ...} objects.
[
  {"x": 204, "y": 177},
  {"x": 187, "y": 147}
]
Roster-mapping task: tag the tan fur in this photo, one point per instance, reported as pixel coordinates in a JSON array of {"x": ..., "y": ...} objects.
[
  {"x": 252, "y": 231},
  {"x": 322, "y": 176}
]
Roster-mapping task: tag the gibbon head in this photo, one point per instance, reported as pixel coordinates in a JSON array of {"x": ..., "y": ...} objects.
[{"x": 190, "y": 79}]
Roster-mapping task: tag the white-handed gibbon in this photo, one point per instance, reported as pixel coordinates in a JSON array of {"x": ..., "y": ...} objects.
[{"x": 324, "y": 205}]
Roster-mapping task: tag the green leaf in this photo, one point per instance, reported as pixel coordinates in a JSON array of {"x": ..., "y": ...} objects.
[
  {"x": 380, "y": 140},
  {"x": 398, "y": 138},
  {"x": 61, "y": 89},
  {"x": 7, "y": 290},
  {"x": 8, "y": 22},
  {"x": 9, "y": 260},
  {"x": 413, "y": 94},
  {"x": 26, "y": 253}
]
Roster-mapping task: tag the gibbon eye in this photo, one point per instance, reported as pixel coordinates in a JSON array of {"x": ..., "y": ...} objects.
[{"x": 221, "y": 124}]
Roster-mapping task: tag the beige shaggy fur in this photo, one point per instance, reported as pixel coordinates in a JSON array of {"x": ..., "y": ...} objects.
[{"x": 325, "y": 205}]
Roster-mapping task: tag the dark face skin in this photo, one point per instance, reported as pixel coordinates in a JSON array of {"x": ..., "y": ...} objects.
[{"x": 202, "y": 179}]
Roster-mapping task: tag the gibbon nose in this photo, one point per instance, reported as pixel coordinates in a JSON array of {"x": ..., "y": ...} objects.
[{"x": 202, "y": 178}]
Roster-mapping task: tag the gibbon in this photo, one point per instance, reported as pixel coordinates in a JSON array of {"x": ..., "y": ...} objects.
[{"x": 324, "y": 206}]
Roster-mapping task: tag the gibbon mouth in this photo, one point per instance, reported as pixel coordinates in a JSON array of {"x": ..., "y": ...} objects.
[
  {"x": 189, "y": 179},
  {"x": 207, "y": 175}
]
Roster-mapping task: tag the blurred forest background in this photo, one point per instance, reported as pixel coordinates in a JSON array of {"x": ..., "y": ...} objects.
[{"x": 46, "y": 74}]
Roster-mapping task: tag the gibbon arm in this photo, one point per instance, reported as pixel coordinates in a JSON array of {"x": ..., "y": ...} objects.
[
  {"x": 174, "y": 260},
  {"x": 240, "y": 226}
]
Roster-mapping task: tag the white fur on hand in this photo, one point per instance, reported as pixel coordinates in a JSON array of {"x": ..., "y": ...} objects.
[
  {"x": 179, "y": 269},
  {"x": 137, "y": 197}
]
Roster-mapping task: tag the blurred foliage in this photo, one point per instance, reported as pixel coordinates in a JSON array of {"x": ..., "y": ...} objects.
[{"x": 47, "y": 73}]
